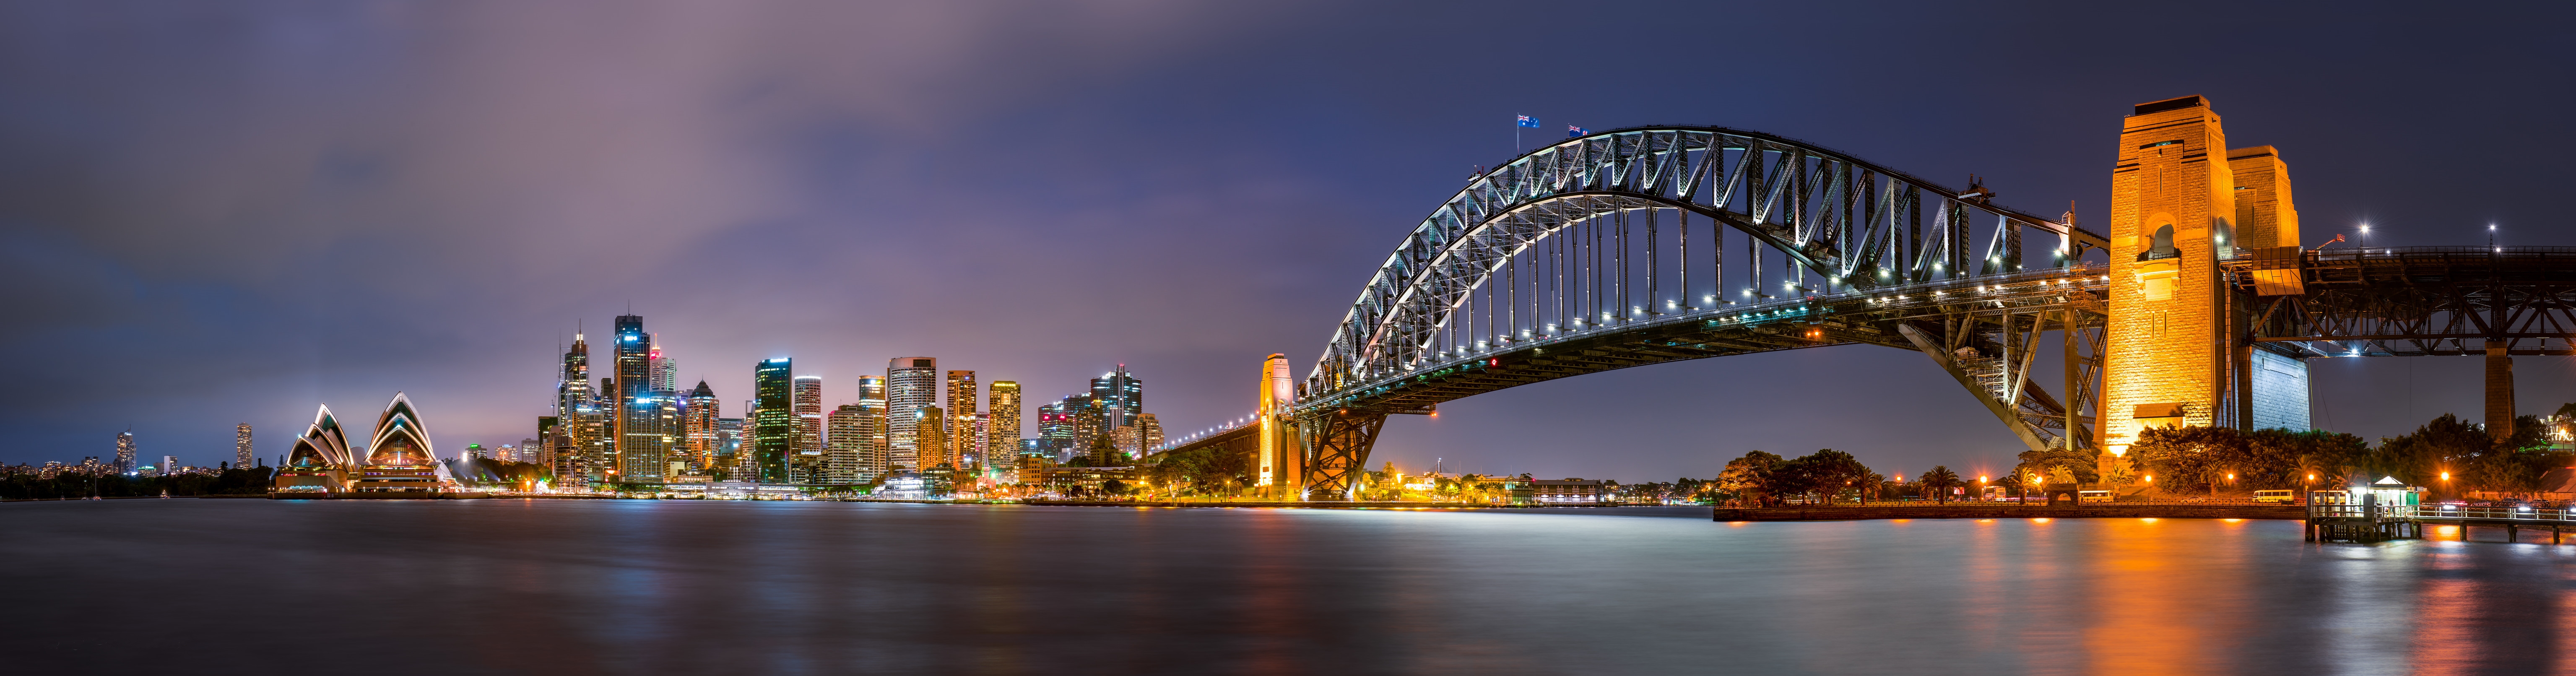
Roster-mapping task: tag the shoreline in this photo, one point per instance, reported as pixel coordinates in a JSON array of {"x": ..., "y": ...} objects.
[{"x": 1992, "y": 511}]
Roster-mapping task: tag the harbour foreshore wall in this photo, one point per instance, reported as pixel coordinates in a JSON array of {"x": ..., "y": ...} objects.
[{"x": 1997, "y": 511}]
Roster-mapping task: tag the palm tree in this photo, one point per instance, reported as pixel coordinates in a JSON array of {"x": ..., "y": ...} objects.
[{"x": 1940, "y": 480}]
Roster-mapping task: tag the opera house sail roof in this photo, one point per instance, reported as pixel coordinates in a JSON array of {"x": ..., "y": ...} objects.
[
  {"x": 400, "y": 439},
  {"x": 323, "y": 445}
]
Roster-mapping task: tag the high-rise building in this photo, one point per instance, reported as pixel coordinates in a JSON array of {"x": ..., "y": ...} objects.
[
  {"x": 475, "y": 451},
  {"x": 698, "y": 414},
  {"x": 638, "y": 455},
  {"x": 933, "y": 438},
  {"x": 911, "y": 383},
  {"x": 665, "y": 370},
  {"x": 872, "y": 448},
  {"x": 168, "y": 466},
  {"x": 807, "y": 466},
  {"x": 854, "y": 429},
  {"x": 773, "y": 423},
  {"x": 125, "y": 451},
  {"x": 241, "y": 445},
  {"x": 1122, "y": 391},
  {"x": 1002, "y": 433},
  {"x": 728, "y": 445},
  {"x": 1055, "y": 430},
  {"x": 961, "y": 419}
]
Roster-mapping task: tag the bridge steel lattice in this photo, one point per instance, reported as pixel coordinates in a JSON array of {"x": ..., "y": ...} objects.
[{"x": 1612, "y": 250}]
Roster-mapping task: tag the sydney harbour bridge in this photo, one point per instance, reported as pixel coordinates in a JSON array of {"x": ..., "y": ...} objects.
[{"x": 2195, "y": 304}]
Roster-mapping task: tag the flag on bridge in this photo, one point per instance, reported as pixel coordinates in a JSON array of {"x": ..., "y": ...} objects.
[
  {"x": 1572, "y": 131},
  {"x": 1527, "y": 121}
]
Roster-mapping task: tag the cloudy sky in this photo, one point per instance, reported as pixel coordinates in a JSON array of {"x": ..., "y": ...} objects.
[{"x": 214, "y": 213}]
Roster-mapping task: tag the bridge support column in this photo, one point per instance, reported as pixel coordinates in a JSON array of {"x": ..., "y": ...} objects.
[
  {"x": 2499, "y": 391},
  {"x": 1336, "y": 452}
]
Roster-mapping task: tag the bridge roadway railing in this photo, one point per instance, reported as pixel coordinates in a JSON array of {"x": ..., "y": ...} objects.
[{"x": 1890, "y": 303}]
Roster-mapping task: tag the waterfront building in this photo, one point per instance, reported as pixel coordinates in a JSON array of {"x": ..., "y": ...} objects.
[
  {"x": 807, "y": 466},
  {"x": 588, "y": 433},
  {"x": 961, "y": 419},
  {"x": 319, "y": 461},
  {"x": 933, "y": 437},
  {"x": 872, "y": 448},
  {"x": 652, "y": 420},
  {"x": 1567, "y": 491},
  {"x": 398, "y": 458},
  {"x": 728, "y": 444},
  {"x": 1002, "y": 433},
  {"x": 241, "y": 445},
  {"x": 125, "y": 451},
  {"x": 1056, "y": 429},
  {"x": 169, "y": 466},
  {"x": 911, "y": 383},
  {"x": 983, "y": 441},
  {"x": 851, "y": 426},
  {"x": 698, "y": 415},
  {"x": 773, "y": 422}
]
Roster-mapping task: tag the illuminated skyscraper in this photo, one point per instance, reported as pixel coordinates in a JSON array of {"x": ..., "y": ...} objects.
[
  {"x": 1002, "y": 434},
  {"x": 872, "y": 448},
  {"x": 961, "y": 419},
  {"x": 698, "y": 413},
  {"x": 934, "y": 437},
  {"x": 1055, "y": 429},
  {"x": 666, "y": 371},
  {"x": 807, "y": 466},
  {"x": 241, "y": 445},
  {"x": 854, "y": 427},
  {"x": 125, "y": 451},
  {"x": 911, "y": 383},
  {"x": 728, "y": 453},
  {"x": 637, "y": 438},
  {"x": 1119, "y": 390},
  {"x": 773, "y": 423}
]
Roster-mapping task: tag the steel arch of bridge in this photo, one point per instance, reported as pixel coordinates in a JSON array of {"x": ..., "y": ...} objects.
[
  {"x": 1858, "y": 224},
  {"x": 1952, "y": 286}
]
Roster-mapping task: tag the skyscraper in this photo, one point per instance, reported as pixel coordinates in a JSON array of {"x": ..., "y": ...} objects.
[
  {"x": 665, "y": 370},
  {"x": 1055, "y": 430},
  {"x": 933, "y": 438},
  {"x": 1120, "y": 390},
  {"x": 773, "y": 423},
  {"x": 698, "y": 412},
  {"x": 807, "y": 466},
  {"x": 1002, "y": 434},
  {"x": 241, "y": 445},
  {"x": 911, "y": 383},
  {"x": 961, "y": 419},
  {"x": 637, "y": 438},
  {"x": 872, "y": 449},
  {"x": 853, "y": 427},
  {"x": 125, "y": 451},
  {"x": 728, "y": 446}
]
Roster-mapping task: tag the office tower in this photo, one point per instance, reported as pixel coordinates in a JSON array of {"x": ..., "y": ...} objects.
[
  {"x": 983, "y": 440},
  {"x": 854, "y": 428},
  {"x": 474, "y": 451},
  {"x": 125, "y": 451},
  {"x": 773, "y": 423},
  {"x": 933, "y": 438},
  {"x": 652, "y": 422},
  {"x": 728, "y": 446},
  {"x": 630, "y": 414},
  {"x": 1087, "y": 419},
  {"x": 1149, "y": 432},
  {"x": 565, "y": 458},
  {"x": 169, "y": 465},
  {"x": 1031, "y": 448},
  {"x": 665, "y": 370},
  {"x": 241, "y": 445},
  {"x": 1055, "y": 431},
  {"x": 1002, "y": 433},
  {"x": 698, "y": 413},
  {"x": 572, "y": 386},
  {"x": 1122, "y": 391},
  {"x": 961, "y": 419},
  {"x": 807, "y": 467},
  {"x": 911, "y": 383},
  {"x": 592, "y": 423},
  {"x": 872, "y": 449}
]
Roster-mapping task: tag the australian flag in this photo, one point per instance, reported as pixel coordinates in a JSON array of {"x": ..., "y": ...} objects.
[
  {"x": 1572, "y": 131},
  {"x": 1527, "y": 121}
]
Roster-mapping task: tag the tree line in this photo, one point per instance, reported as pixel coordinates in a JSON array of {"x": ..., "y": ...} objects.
[{"x": 71, "y": 486}]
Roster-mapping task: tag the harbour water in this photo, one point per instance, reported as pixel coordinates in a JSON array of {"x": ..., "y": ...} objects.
[{"x": 574, "y": 587}]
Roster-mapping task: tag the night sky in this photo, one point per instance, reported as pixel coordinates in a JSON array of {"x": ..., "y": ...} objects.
[{"x": 213, "y": 213}]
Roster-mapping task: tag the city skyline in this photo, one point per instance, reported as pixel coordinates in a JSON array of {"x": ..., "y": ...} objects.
[{"x": 1206, "y": 259}]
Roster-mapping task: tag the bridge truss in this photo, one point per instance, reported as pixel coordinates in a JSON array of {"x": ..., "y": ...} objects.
[{"x": 1613, "y": 250}]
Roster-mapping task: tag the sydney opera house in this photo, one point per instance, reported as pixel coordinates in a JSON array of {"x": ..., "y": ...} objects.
[{"x": 397, "y": 460}]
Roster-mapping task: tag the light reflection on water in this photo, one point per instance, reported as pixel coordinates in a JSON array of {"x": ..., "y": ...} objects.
[{"x": 243, "y": 586}]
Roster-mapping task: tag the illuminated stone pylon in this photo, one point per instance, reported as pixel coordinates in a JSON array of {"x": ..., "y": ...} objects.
[
  {"x": 2180, "y": 202},
  {"x": 1280, "y": 465}
]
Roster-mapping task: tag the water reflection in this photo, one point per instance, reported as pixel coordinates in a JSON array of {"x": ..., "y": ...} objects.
[{"x": 647, "y": 587}]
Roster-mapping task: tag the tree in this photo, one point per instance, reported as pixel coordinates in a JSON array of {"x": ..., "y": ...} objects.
[
  {"x": 2188, "y": 458},
  {"x": 1745, "y": 478},
  {"x": 1940, "y": 480},
  {"x": 1825, "y": 472}
]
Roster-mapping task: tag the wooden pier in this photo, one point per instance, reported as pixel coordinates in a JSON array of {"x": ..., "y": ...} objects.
[{"x": 2372, "y": 523}]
